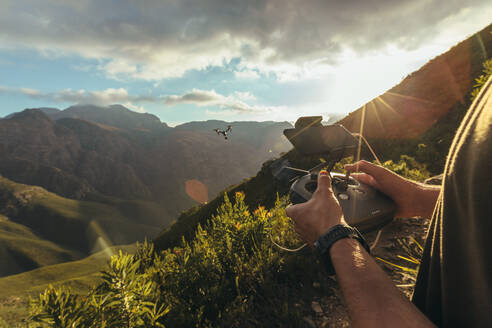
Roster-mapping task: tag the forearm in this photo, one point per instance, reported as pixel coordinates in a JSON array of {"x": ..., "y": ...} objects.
[
  {"x": 371, "y": 297},
  {"x": 425, "y": 199}
]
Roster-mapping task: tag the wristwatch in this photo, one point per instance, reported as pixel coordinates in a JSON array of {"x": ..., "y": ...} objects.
[{"x": 340, "y": 231}]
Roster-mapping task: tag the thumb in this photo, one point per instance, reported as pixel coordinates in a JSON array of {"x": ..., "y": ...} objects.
[
  {"x": 364, "y": 166},
  {"x": 324, "y": 181},
  {"x": 365, "y": 178}
]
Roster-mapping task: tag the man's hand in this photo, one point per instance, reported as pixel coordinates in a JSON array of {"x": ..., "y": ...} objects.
[
  {"x": 411, "y": 198},
  {"x": 316, "y": 216}
]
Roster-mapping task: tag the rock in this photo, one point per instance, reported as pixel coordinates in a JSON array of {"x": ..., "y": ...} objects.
[{"x": 316, "y": 307}]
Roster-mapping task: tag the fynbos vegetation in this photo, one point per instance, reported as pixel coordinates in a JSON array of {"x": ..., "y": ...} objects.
[{"x": 230, "y": 274}]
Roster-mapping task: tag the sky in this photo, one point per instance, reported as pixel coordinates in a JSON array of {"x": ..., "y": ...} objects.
[{"x": 232, "y": 60}]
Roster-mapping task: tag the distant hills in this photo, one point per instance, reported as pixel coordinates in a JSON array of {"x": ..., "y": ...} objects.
[
  {"x": 115, "y": 116},
  {"x": 87, "y": 149},
  {"x": 77, "y": 180},
  {"x": 39, "y": 228}
]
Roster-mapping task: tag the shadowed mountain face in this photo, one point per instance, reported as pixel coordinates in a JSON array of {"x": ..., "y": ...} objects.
[
  {"x": 115, "y": 116},
  {"x": 424, "y": 97},
  {"x": 39, "y": 228},
  {"x": 120, "y": 153}
]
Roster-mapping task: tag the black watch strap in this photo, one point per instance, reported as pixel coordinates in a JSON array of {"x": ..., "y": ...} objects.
[{"x": 340, "y": 231}]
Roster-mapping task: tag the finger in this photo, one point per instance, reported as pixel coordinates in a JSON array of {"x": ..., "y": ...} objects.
[
  {"x": 364, "y": 178},
  {"x": 324, "y": 181},
  {"x": 364, "y": 166},
  {"x": 290, "y": 210},
  {"x": 296, "y": 227}
]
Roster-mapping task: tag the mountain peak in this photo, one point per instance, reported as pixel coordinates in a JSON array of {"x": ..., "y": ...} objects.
[
  {"x": 30, "y": 114},
  {"x": 114, "y": 115}
]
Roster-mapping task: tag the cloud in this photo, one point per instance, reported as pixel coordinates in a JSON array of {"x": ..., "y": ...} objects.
[
  {"x": 247, "y": 74},
  {"x": 196, "y": 97},
  {"x": 97, "y": 97},
  {"x": 244, "y": 95},
  {"x": 135, "y": 108},
  {"x": 233, "y": 103},
  {"x": 159, "y": 39}
]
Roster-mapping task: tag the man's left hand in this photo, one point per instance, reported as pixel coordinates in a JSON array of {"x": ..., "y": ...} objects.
[{"x": 316, "y": 216}]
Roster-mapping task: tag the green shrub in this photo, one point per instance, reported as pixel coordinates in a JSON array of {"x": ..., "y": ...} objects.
[
  {"x": 480, "y": 81},
  {"x": 125, "y": 298},
  {"x": 409, "y": 168},
  {"x": 229, "y": 275}
]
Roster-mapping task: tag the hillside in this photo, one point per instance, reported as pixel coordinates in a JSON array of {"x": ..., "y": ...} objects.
[
  {"x": 424, "y": 97},
  {"x": 80, "y": 275},
  {"x": 115, "y": 115},
  {"x": 22, "y": 250},
  {"x": 39, "y": 228}
]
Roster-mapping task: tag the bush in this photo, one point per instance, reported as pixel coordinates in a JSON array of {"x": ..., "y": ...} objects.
[
  {"x": 229, "y": 275},
  {"x": 409, "y": 168},
  {"x": 480, "y": 81},
  {"x": 125, "y": 298}
]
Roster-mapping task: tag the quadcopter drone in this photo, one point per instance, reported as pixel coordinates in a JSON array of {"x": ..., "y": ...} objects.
[
  {"x": 224, "y": 132},
  {"x": 363, "y": 207}
]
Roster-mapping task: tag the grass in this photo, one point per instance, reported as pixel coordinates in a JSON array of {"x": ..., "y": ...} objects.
[
  {"x": 80, "y": 226},
  {"x": 21, "y": 249},
  {"x": 79, "y": 275},
  {"x": 39, "y": 230}
]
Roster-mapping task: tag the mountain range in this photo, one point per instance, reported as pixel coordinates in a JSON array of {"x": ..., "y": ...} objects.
[
  {"x": 87, "y": 149},
  {"x": 76, "y": 180}
]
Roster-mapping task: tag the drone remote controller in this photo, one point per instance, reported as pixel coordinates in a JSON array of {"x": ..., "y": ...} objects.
[{"x": 363, "y": 207}]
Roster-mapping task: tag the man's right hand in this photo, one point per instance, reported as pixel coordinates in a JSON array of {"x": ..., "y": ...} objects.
[{"x": 411, "y": 198}]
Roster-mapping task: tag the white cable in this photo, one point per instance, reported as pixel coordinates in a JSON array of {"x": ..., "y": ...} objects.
[
  {"x": 375, "y": 242},
  {"x": 287, "y": 249}
]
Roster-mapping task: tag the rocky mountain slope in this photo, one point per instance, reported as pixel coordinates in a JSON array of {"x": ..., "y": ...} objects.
[{"x": 115, "y": 115}]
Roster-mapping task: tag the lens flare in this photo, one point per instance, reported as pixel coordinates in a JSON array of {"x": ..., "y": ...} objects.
[
  {"x": 197, "y": 191},
  {"x": 102, "y": 241}
]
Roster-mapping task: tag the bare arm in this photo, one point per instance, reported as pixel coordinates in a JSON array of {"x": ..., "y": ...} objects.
[{"x": 372, "y": 298}]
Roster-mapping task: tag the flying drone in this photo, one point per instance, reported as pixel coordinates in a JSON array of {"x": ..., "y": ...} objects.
[{"x": 224, "y": 132}]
